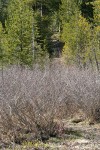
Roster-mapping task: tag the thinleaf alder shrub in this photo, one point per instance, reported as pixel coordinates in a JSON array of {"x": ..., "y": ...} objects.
[{"x": 32, "y": 100}]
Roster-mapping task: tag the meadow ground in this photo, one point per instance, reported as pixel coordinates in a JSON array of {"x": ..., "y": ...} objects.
[{"x": 77, "y": 136}]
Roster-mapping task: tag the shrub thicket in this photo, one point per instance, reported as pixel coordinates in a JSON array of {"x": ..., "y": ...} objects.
[{"x": 32, "y": 100}]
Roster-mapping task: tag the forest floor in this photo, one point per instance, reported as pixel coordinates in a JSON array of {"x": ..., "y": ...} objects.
[{"x": 77, "y": 136}]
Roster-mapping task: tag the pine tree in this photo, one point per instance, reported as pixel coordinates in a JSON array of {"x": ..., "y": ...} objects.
[
  {"x": 76, "y": 34},
  {"x": 19, "y": 27},
  {"x": 96, "y": 34},
  {"x": 1, "y": 48},
  {"x": 3, "y": 11},
  {"x": 44, "y": 18}
]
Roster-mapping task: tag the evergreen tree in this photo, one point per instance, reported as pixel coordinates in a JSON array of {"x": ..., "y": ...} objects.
[
  {"x": 96, "y": 34},
  {"x": 87, "y": 9},
  {"x": 3, "y": 11},
  {"x": 1, "y": 48},
  {"x": 34, "y": 29},
  {"x": 76, "y": 34},
  {"x": 44, "y": 12},
  {"x": 19, "y": 28}
]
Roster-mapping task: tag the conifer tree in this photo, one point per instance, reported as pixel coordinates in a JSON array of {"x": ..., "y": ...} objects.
[
  {"x": 96, "y": 34},
  {"x": 76, "y": 34},
  {"x": 19, "y": 28},
  {"x": 3, "y": 11},
  {"x": 44, "y": 12},
  {"x": 1, "y": 48}
]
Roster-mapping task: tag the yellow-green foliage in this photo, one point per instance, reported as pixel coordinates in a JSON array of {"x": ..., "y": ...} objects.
[
  {"x": 36, "y": 144},
  {"x": 81, "y": 38},
  {"x": 97, "y": 11},
  {"x": 76, "y": 35},
  {"x": 96, "y": 41},
  {"x": 0, "y": 41},
  {"x": 19, "y": 32},
  {"x": 2, "y": 50},
  {"x": 1, "y": 32}
]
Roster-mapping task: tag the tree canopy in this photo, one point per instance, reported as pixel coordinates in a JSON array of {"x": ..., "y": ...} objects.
[{"x": 34, "y": 30}]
